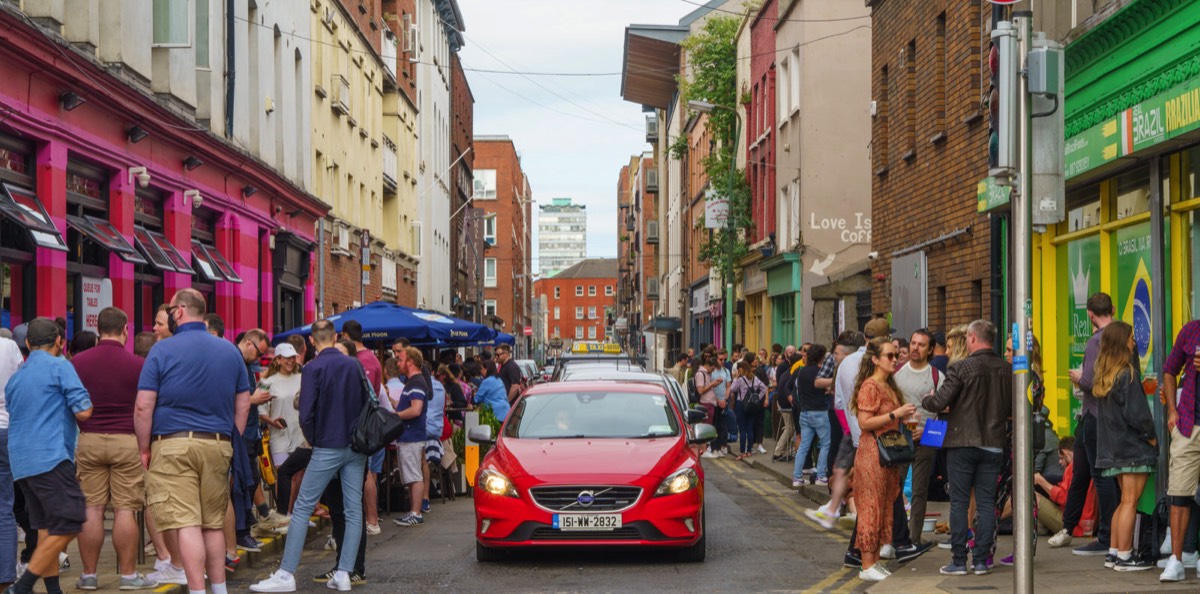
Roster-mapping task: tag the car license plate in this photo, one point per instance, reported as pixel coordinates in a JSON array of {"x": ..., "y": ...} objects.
[{"x": 587, "y": 521}]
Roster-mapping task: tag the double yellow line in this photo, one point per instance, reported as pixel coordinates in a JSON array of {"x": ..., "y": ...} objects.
[{"x": 842, "y": 580}]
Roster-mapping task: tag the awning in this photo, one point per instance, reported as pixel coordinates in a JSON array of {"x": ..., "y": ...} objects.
[
  {"x": 651, "y": 63},
  {"x": 663, "y": 325},
  {"x": 22, "y": 207},
  {"x": 161, "y": 254},
  {"x": 103, "y": 233},
  {"x": 211, "y": 265}
]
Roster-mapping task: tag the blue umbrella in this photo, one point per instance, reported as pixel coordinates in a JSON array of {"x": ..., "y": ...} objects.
[{"x": 382, "y": 321}]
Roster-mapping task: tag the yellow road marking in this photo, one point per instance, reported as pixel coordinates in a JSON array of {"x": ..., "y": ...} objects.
[
  {"x": 829, "y": 581},
  {"x": 781, "y": 499},
  {"x": 851, "y": 584}
]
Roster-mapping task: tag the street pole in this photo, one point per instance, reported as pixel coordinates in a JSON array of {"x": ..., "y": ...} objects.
[
  {"x": 729, "y": 229},
  {"x": 1022, "y": 313}
]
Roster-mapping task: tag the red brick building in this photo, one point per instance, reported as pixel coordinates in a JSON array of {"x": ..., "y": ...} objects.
[
  {"x": 503, "y": 195},
  {"x": 928, "y": 151},
  {"x": 577, "y": 300},
  {"x": 759, "y": 127},
  {"x": 465, "y": 232}
]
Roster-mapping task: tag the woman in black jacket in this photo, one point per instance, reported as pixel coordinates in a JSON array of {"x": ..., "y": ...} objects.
[{"x": 1126, "y": 441}]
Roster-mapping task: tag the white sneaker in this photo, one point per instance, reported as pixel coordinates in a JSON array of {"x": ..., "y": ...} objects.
[
  {"x": 340, "y": 581},
  {"x": 373, "y": 529},
  {"x": 1061, "y": 538},
  {"x": 1173, "y": 572},
  {"x": 760, "y": 449},
  {"x": 330, "y": 543},
  {"x": 796, "y": 484},
  {"x": 1189, "y": 560},
  {"x": 280, "y": 581},
  {"x": 169, "y": 574},
  {"x": 710, "y": 454},
  {"x": 821, "y": 517},
  {"x": 1165, "y": 549},
  {"x": 875, "y": 574},
  {"x": 887, "y": 551},
  {"x": 21, "y": 567}
]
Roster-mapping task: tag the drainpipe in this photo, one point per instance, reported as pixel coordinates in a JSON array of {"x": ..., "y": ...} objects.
[
  {"x": 230, "y": 64},
  {"x": 321, "y": 267}
]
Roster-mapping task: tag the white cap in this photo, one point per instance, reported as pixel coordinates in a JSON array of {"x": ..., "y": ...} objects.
[{"x": 284, "y": 349}]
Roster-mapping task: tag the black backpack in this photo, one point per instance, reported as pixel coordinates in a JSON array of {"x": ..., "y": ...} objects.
[
  {"x": 693, "y": 393},
  {"x": 753, "y": 398}
]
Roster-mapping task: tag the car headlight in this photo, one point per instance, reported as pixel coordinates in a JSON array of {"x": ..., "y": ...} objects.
[
  {"x": 494, "y": 482},
  {"x": 680, "y": 481}
]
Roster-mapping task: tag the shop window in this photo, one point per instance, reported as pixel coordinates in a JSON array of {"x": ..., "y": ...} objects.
[
  {"x": 1133, "y": 193},
  {"x": 1083, "y": 208},
  {"x": 1193, "y": 257},
  {"x": 1189, "y": 163},
  {"x": 22, "y": 207}
]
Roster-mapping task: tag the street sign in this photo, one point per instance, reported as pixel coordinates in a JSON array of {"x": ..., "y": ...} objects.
[
  {"x": 716, "y": 210},
  {"x": 992, "y": 196},
  {"x": 528, "y": 331}
]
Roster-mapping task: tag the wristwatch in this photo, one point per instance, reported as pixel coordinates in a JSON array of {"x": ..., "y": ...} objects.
[{"x": 892, "y": 416}]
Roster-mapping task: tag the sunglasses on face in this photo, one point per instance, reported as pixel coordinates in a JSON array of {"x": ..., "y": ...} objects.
[{"x": 890, "y": 356}]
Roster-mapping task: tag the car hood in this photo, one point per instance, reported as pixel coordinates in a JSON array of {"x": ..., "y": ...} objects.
[{"x": 577, "y": 459}]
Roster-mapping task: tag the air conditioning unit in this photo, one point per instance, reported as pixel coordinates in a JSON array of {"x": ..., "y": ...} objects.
[
  {"x": 651, "y": 128},
  {"x": 341, "y": 94},
  {"x": 342, "y": 238},
  {"x": 652, "y": 181},
  {"x": 652, "y": 232}
]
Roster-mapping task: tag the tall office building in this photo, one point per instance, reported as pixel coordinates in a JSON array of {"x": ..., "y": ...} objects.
[{"x": 562, "y": 236}]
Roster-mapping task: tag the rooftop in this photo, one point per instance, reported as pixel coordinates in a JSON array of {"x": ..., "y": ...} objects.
[{"x": 591, "y": 268}]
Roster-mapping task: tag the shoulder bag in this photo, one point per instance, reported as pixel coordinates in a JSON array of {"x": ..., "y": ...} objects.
[{"x": 376, "y": 426}]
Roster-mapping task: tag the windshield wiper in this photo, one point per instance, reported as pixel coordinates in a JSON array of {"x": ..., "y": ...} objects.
[
  {"x": 563, "y": 437},
  {"x": 654, "y": 434}
]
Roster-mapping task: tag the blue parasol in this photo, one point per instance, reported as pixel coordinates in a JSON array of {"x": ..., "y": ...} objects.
[{"x": 386, "y": 322}]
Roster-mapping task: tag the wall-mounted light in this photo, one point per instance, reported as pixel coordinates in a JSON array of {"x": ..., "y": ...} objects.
[
  {"x": 141, "y": 175},
  {"x": 70, "y": 100},
  {"x": 193, "y": 196},
  {"x": 192, "y": 162},
  {"x": 136, "y": 134},
  {"x": 248, "y": 190}
]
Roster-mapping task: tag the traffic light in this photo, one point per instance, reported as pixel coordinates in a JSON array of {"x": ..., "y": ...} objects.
[{"x": 1003, "y": 62}]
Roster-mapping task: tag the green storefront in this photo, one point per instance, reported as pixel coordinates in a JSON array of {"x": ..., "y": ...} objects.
[{"x": 783, "y": 289}]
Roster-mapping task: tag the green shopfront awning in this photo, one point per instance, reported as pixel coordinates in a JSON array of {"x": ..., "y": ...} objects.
[{"x": 664, "y": 325}]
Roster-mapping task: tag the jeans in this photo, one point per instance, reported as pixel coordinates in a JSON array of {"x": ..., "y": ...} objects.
[
  {"x": 336, "y": 501},
  {"x": 8, "y": 522},
  {"x": 732, "y": 423},
  {"x": 325, "y": 463},
  {"x": 1085, "y": 473},
  {"x": 812, "y": 423},
  {"x": 973, "y": 468}
]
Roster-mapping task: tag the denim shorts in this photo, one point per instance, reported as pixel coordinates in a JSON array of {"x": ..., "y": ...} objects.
[{"x": 375, "y": 462}]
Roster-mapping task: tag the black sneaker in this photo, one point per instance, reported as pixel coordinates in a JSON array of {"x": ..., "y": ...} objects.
[
  {"x": 912, "y": 551},
  {"x": 247, "y": 543},
  {"x": 324, "y": 577},
  {"x": 852, "y": 560},
  {"x": 1110, "y": 560},
  {"x": 1091, "y": 548},
  {"x": 357, "y": 579},
  {"x": 1133, "y": 564}
]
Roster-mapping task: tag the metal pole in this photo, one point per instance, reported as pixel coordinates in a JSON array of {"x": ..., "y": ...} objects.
[
  {"x": 729, "y": 228},
  {"x": 1022, "y": 313},
  {"x": 1158, "y": 309},
  {"x": 320, "y": 268}
]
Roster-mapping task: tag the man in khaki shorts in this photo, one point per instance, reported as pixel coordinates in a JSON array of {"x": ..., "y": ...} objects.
[
  {"x": 106, "y": 457},
  {"x": 193, "y": 395}
]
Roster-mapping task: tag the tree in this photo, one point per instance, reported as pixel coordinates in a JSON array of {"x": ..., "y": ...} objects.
[{"x": 712, "y": 61}]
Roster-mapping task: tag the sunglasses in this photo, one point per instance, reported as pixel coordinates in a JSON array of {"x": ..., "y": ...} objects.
[{"x": 890, "y": 356}]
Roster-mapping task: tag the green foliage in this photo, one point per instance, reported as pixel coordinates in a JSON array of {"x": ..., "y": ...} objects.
[
  {"x": 712, "y": 56},
  {"x": 679, "y": 147},
  {"x": 488, "y": 417}
]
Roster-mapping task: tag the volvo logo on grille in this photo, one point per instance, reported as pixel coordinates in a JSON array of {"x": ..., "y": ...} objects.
[{"x": 586, "y": 498}]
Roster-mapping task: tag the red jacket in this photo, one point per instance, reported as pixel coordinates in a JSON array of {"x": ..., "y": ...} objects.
[{"x": 1058, "y": 495}]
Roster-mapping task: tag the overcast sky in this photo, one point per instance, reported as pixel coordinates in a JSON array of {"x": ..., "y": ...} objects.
[{"x": 576, "y": 133}]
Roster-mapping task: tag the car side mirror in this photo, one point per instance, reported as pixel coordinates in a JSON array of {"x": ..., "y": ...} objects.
[
  {"x": 483, "y": 434},
  {"x": 696, "y": 416},
  {"x": 704, "y": 433}
]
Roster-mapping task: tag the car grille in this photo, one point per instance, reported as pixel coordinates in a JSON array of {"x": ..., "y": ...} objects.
[
  {"x": 566, "y": 499},
  {"x": 623, "y": 533}
]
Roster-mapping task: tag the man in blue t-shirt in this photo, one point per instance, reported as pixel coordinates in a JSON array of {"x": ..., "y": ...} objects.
[
  {"x": 45, "y": 399},
  {"x": 411, "y": 447},
  {"x": 193, "y": 397}
]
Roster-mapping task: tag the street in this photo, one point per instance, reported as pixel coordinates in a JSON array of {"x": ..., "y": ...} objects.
[{"x": 756, "y": 542}]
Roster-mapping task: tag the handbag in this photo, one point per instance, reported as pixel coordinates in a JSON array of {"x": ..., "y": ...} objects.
[
  {"x": 376, "y": 426},
  {"x": 895, "y": 448}
]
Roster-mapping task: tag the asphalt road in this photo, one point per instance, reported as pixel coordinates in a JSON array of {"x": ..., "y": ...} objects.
[{"x": 758, "y": 541}]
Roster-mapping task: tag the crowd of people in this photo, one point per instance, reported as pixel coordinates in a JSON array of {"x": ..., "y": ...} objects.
[{"x": 197, "y": 430}]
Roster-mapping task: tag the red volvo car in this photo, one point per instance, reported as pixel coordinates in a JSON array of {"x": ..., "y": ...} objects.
[{"x": 598, "y": 463}]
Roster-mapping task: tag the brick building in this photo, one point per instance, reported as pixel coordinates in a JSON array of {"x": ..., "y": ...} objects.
[
  {"x": 928, "y": 151},
  {"x": 502, "y": 193},
  {"x": 465, "y": 235},
  {"x": 577, "y": 300}
]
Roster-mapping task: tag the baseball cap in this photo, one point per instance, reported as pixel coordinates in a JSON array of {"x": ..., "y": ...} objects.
[
  {"x": 877, "y": 328},
  {"x": 284, "y": 349},
  {"x": 19, "y": 334},
  {"x": 41, "y": 332}
]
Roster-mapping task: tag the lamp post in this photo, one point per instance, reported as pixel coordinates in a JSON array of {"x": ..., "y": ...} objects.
[{"x": 706, "y": 107}]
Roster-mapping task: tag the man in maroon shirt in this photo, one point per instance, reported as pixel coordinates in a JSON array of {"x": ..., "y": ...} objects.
[{"x": 108, "y": 465}]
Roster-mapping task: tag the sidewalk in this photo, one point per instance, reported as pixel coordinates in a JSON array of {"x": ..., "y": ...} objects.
[{"x": 1059, "y": 569}]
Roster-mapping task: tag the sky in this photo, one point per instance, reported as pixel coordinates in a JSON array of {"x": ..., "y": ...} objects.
[{"x": 573, "y": 133}]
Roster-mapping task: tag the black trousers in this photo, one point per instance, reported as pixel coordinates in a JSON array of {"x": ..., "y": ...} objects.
[
  {"x": 1084, "y": 473},
  {"x": 900, "y": 534},
  {"x": 297, "y": 461},
  {"x": 333, "y": 499}
]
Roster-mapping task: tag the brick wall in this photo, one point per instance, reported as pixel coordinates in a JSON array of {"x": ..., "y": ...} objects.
[
  {"x": 929, "y": 148},
  {"x": 464, "y": 251},
  {"x": 760, "y": 122},
  {"x": 511, "y": 259},
  {"x": 367, "y": 16},
  {"x": 343, "y": 278},
  {"x": 567, "y": 302}
]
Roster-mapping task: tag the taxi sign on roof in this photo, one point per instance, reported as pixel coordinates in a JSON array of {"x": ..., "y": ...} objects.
[{"x": 596, "y": 347}]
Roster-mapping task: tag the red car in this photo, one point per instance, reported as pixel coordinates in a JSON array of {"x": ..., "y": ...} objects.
[{"x": 592, "y": 464}]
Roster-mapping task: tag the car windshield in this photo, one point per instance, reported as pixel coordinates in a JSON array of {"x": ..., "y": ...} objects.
[{"x": 578, "y": 415}]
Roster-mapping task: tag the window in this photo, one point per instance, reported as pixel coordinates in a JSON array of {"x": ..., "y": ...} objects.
[
  {"x": 172, "y": 23},
  {"x": 910, "y": 96},
  {"x": 202, "y": 34},
  {"x": 556, "y": 313},
  {"x": 489, "y": 229},
  {"x": 578, "y": 312},
  {"x": 489, "y": 307},
  {"x": 939, "y": 80},
  {"x": 579, "y": 333},
  {"x": 592, "y": 312},
  {"x": 389, "y": 273},
  {"x": 579, "y": 290},
  {"x": 489, "y": 272},
  {"x": 592, "y": 333},
  {"x": 795, "y": 76},
  {"x": 557, "y": 332},
  {"x": 785, "y": 86},
  {"x": 1133, "y": 193},
  {"x": 608, "y": 290},
  {"x": 484, "y": 184},
  {"x": 557, "y": 292},
  {"x": 1083, "y": 208},
  {"x": 591, "y": 290},
  {"x": 881, "y": 116}
]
